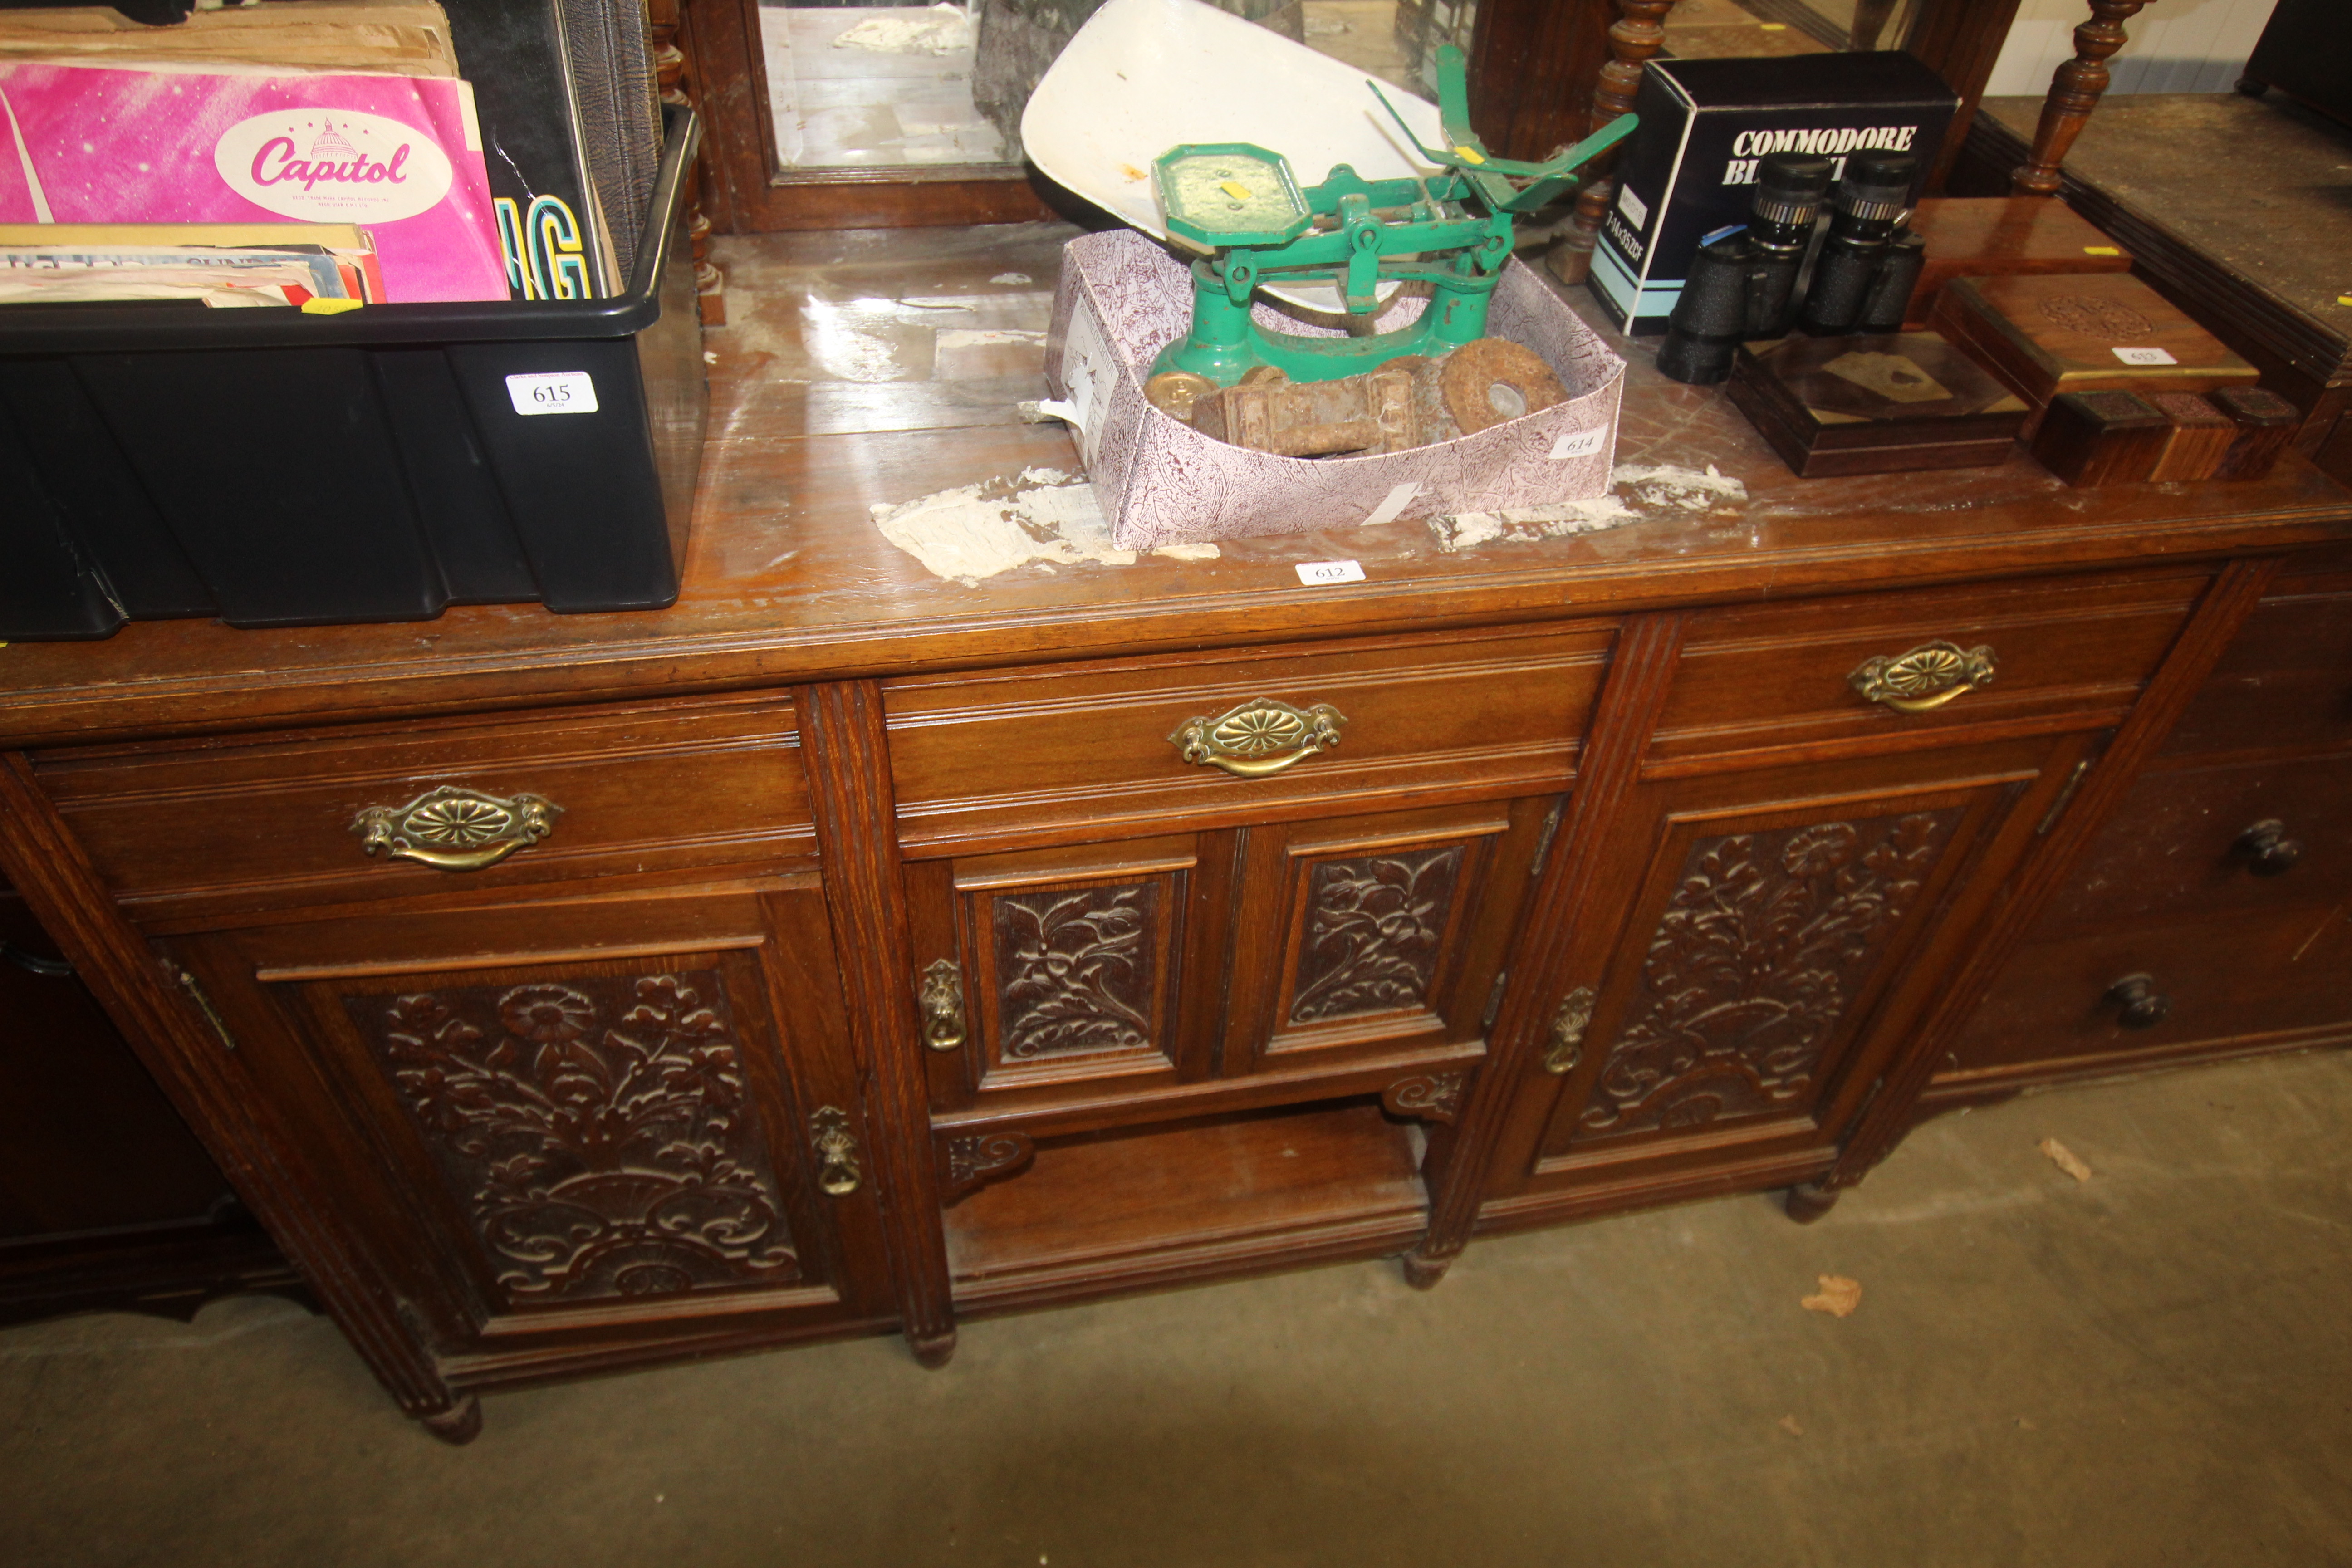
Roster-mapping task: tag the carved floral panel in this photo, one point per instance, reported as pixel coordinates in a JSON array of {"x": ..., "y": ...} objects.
[
  {"x": 1074, "y": 971},
  {"x": 1374, "y": 924},
  {"x": 1765, "y": 945},
  {"x": 599, "y": 1131}
]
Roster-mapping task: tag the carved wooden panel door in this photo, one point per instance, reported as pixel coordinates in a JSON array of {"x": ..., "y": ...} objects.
[
  {"x": 570, "y": 1126},
  {"x": 1314, "y": 951},
  {"x": 1774, "y": 936}
]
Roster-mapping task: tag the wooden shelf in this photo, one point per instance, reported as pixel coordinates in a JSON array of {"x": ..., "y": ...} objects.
[{"x": 1116, "y": 1211}]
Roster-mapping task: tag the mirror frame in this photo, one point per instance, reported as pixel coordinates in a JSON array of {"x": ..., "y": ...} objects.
[{"x": 1532, "y": 66}]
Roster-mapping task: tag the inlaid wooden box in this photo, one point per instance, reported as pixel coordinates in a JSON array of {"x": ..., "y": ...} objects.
[
  {"x": 1997, "y": 237},
  {"x": 2043, "y": 336},
  {"x": 1879, "y": 404}
]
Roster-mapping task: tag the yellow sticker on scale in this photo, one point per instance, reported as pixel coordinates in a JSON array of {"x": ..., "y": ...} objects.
[
  {"x": 1236, "y": 190},
  {"x": 2101, "y": 250},
  {"x": 1470, "y": 154}
]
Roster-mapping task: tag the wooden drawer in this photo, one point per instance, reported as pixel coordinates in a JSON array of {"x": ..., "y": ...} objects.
[
  {"x": 201, "y": 829},
  {"x": 2256, "y": 981},
  {"x": 1003, "y": 760},
  {"x": 2196, "y": 842},
  {"x": 2286, "y": 682},
  {"x": 2066, "y": 654}
]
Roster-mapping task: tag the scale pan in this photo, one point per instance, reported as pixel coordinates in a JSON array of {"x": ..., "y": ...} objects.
[{"x": 1142, "y": 76}]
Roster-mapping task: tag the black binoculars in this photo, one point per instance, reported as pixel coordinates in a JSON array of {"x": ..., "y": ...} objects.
[{"x": 1744, "y": 285}]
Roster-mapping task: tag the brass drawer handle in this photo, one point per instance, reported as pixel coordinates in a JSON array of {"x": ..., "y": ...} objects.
[
  {"x": 836, "y": 1153},
  {"x": 1927, "y": 676},
  {"x": 454, "y": 829},
  {"x": 942, "y": 1003},
  {"x": 1260, "y": 737},
  {"x": 1568, "y": 1026}
]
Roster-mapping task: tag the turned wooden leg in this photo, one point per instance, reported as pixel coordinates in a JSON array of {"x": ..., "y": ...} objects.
[
  {"x": 1808, "y": 1201},
  {"x": 1423, "y": 1273},
  {"x": 2075, "y": 91},
  {"x": 1638, "y": 32},
  {"x": 457, "y": 1425},
  {"x": 932, "y": 1350}
]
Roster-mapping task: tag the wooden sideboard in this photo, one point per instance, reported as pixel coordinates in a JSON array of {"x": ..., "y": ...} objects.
[{"x": 848, "y": 950}]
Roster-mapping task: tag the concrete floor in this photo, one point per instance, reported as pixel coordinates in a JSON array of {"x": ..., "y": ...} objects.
[{"x": 2151, "y": 1367}]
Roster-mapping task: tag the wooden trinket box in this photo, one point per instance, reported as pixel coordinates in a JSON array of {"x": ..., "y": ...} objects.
[
  {"x": 1876, "y": 405},
  {"x": 2112, "y": 437},
  {"x": 2045, "y": 336},
  {"x": 2265, "y": 424},
  {"x": 1999, "y": 237},
  {"x": 2200, "y": 438}
]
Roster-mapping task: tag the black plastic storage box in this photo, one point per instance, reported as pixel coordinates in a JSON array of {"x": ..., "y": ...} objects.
[{"x": 276, "y": 468}]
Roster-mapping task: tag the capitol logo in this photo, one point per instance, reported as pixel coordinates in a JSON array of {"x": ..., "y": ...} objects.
[{"x": 329, "y": 166}]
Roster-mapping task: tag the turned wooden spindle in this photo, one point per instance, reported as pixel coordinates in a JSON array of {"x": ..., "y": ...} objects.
[
  {"x": 670, "y": 78},
  {"x": 1638, "y": 32},
  {"x": 2075, "y": 91},
  {"x": 1870, "y": 19}
]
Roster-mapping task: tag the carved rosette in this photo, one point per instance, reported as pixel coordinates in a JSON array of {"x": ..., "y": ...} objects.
[
  {"x": 1374, "y": 927},
  {"x": 598, "y": 1131},
  {"x": 1074, "y": 971},
  {"x": 1767, "y": 942}
]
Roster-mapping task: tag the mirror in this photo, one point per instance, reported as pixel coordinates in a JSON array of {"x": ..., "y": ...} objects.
[
  {"x": 938, "y": 90},
  {"x": 1705, "y": 30}
]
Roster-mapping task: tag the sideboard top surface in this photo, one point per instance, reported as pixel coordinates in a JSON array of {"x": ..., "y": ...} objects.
[{"x": 789, "y": 580}]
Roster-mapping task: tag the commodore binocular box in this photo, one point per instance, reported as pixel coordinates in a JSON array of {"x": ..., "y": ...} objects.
[{"x": 1689, "y": 175}]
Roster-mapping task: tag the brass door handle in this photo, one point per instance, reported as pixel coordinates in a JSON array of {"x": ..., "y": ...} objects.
[
  {"x": 942, "y": 1004},
  {"x": 1260, "y": 737},
  {"x": 836, "y": 1151},
  {"x": 1927, "y": 678},
  {"x": 1566, "y": 1047},
  {"x": 454, "y": 829}
]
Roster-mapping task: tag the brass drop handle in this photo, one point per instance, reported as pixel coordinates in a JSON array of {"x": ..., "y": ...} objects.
[
  {"x": 2267, "y": 848},
  {"x": 1259, "y": 737},
  {"x": 1566, "y": 1047},
  {"x": 1924, "y": 679},
  {"x": 457, "y": 829},
  {"x": 836, "y": 1153},
  {"x": 2143, "y": 1005},
  {"x": 942, "y": 1004}
]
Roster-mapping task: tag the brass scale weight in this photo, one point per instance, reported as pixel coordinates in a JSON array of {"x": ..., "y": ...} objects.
[{"x": 1239, "y": 206}]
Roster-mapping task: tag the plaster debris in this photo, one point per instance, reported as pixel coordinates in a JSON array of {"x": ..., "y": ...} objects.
[
  {"x": 953, "y": 338},
  {"x": 978, "y": 530},
  {"x": 1839, "y": 1296},
  {"x": 1011, "y": 278},
  {"x": 1685, "y": 488},
  {"x": 1524, "y": 523},
  {"x": 1793, "y": 1426},
  {"x": 942, "y": 30},
  {"x": 2065, "y": 1159}
]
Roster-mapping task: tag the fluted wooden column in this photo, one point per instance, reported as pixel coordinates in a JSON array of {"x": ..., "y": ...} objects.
[
  {"x": 2075, "y": 91},
  {"x": 1638, "y": 32}
]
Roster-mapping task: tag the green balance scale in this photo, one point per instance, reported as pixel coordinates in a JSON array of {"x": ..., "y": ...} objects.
[{"x": 1240, "y": 206}]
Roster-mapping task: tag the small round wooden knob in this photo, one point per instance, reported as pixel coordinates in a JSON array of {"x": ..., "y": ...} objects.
[
  {"x": 2267, "y": 848},
  {"x": 2143, "y": 1005}
]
